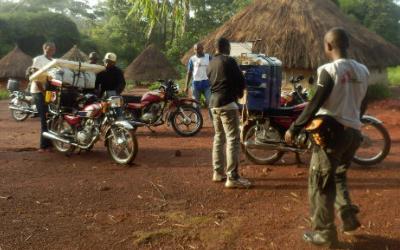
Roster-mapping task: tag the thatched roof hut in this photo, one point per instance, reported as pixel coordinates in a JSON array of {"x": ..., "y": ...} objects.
[
  {"x": 150, "y": 66},
  {"x": 75, "y": 54},
  {"x": 293, "y": 31},
  {"x": 14, "y": 64}
]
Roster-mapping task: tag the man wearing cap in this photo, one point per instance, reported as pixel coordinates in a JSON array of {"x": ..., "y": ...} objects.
[{"x": 112, "y": 78}]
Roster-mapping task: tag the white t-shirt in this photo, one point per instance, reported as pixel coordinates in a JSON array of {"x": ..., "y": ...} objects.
[
  {"x": 350, "y": 87},
  {"x": 38, "y": 63},
  {"x": 198, "y": 65}
]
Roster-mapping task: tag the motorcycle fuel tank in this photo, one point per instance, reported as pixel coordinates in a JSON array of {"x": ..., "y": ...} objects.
[
  {"x": 91, "y": 111},
  {"x": 151, "y": 97}
]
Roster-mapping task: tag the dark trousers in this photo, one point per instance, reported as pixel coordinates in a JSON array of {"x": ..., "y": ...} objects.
[
  {"x": 42, "y": 111},
  {"x": 328, "y": 182}
]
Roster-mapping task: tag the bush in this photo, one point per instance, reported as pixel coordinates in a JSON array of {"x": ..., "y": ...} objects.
[
  {"x": 4, "y": 94},
  {"x": 394, "y": 75},
  {"x": 154, "y": 86},
  {"x": 378, "y": 92}
]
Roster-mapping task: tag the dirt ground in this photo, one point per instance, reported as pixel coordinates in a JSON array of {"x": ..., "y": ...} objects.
[{"x": 165, "y": 201}]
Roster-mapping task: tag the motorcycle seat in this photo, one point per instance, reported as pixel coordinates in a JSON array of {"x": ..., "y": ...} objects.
[
  {"x": 131, "y": 99},
  {"x": 136, "y": 105},
  {"x": 286, "y": 111}
]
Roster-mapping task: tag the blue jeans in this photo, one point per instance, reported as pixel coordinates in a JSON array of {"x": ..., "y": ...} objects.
[
  {"x": 202, "y": 87},
  {"x": 42, "y": 110}
]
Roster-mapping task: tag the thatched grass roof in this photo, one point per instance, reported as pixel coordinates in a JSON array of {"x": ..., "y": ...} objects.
[
  {"x": 293, "y": 31},
  {"x": 150, "y": 65},
  {"x": 75, "y": 54},
  {"x": 14, "y": 64}
]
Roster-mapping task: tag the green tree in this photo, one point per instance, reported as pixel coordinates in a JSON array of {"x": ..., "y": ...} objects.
[
  {"x": 31, "y": 30},
  {"x": 381, "y": 16}
]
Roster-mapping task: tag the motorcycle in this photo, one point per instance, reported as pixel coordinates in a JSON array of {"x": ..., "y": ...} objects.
[
  {"x": 81, "y": 126},
  {"x": 263, "y": 135},
  {"x": 21, "y": 104},
  {"x": 155, "y": 108},
  {"x": 298, "y": 95}
]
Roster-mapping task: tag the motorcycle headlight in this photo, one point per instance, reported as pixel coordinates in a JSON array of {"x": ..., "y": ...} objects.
[{"x": 116, "y": 101}]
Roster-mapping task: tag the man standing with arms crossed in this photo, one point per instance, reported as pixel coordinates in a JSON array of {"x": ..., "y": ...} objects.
[
  {"x": 339, "y": 101},
  {"x": 227, "y": 85}
]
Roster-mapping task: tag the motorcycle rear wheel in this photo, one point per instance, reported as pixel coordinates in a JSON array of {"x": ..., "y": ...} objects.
[
  {"x": 18, "y": 115},
  {"x": 123, "y": 146},
  {"x": 261, "y": 156},
  {"x": 187, "y": 121},
  {"x": 60, "y": 127},
  {"x": 375, "y": 145}
]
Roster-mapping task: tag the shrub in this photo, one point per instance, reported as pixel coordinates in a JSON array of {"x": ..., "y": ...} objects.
[
  {"x": 394, "y": 75},
  {"x": 4, "y": 94},
  {"x": 378, "y": 92}
]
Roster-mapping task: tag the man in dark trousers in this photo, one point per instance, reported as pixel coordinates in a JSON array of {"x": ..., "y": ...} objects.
[
  {"x": 227, "y": 85},
  {"x": 111, "y": 79},
  {"x": 338, "y": 102}
]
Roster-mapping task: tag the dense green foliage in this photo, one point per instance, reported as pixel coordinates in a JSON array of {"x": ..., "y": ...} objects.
[
  {"x": 126, "y": 27},
  {"x": 380, "y": 16}
]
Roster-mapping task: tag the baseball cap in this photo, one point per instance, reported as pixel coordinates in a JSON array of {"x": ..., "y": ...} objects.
[{"x": 111, "y": 57}]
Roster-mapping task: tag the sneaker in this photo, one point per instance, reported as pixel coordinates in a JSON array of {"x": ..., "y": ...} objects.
[
  {"x": 349, "y": 219},
  {"x": 350, "y": 224},
  {"x": 318, "y": 239},
  {"x": 237, "y": 183},
  {"x": 217, "y": 177}
]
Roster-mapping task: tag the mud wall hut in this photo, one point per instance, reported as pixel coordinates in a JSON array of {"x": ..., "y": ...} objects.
[
  {"x": 293, "y": 30},
  {"x": 151, "y": 65},
  {"x": 14, "y": 65}
]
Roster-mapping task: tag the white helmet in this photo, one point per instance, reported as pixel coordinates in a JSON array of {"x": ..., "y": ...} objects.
[{"x": 110, "y": 56}]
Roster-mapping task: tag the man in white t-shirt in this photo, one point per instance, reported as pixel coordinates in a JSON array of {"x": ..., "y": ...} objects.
[
  {"x": 37, "y": 90},
  {"x": 197, "y": 70},
  {"x": 339, "y": 101}
]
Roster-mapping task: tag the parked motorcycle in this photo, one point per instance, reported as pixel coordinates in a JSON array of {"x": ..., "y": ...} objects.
[
  {"x": 83, "y": 125},
  {"x": 298, "y": 95},
  {"x": 21, "y": 104},
  {"x": 263, "y": 135},
  {"x": 157, "y": 107}
]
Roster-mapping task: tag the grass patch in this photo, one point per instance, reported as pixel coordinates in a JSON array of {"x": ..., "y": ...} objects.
[
  {"x": 394, "y": 75},
  {"x": 204, "y": 231},
  {"x": 378, "y": 92},
  {"x": 4, "y": 94}
]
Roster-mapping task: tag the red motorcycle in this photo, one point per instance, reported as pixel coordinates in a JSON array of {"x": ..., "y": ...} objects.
[
  {"x": 263, "y": 134},
  {"x": 155, "y": 108},
  {"x": 78, "y": 121}
]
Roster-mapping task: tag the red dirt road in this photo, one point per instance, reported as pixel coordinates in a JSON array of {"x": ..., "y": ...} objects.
[{"x": 164, "y": 201}]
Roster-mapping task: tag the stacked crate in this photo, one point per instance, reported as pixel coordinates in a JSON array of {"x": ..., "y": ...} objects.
[{"x": 263, "y": 79}]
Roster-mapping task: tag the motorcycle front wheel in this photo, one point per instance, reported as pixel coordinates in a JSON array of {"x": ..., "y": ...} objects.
[
  {"x": 122, "y": 145},
  {"x": 19, "y": 115},
  {"x": 261, "y": 156},
  {"x": 187, "y": 121},
  {"x": 375, "y": 144}
]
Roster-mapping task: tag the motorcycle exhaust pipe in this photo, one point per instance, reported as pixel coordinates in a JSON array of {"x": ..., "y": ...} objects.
[
  {"x": 21, "y": 109},
  {"x": 55, "y": 137},
  {"x": 277, "y": 146}
]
